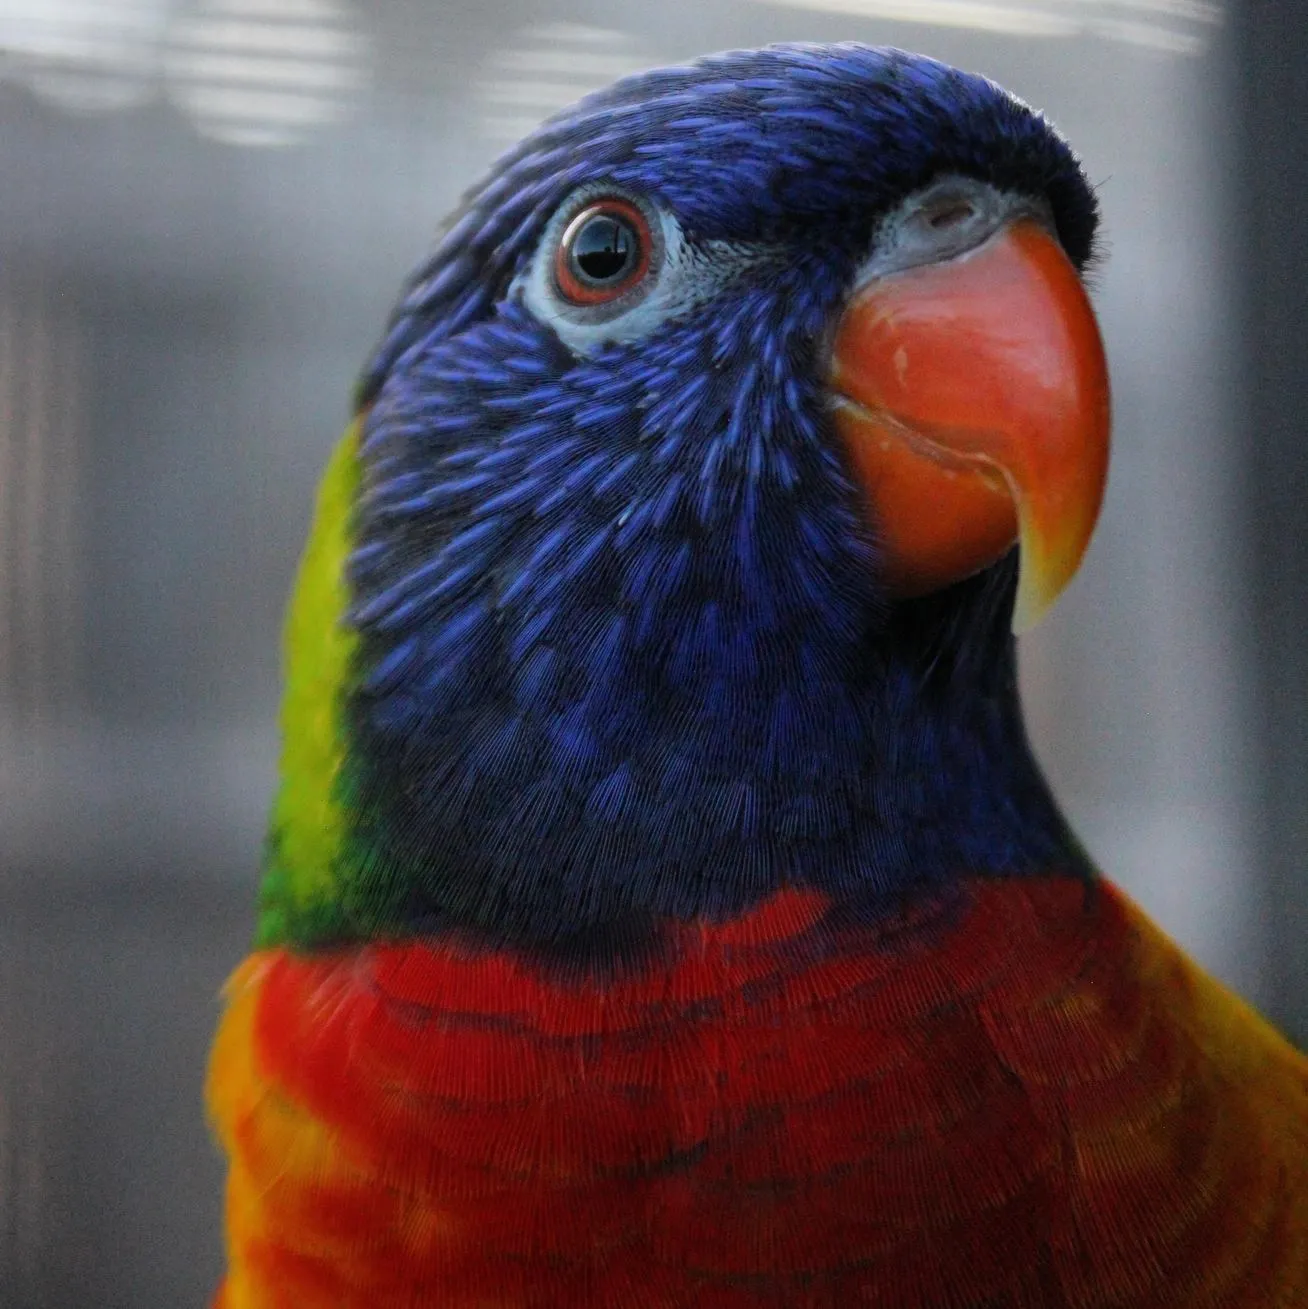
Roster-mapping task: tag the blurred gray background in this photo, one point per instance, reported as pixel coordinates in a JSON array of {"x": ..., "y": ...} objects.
[{"x": 206, "y": 208}]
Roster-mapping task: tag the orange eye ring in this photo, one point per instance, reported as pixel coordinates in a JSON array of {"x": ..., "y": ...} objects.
[{"x": 604, "y": 251}]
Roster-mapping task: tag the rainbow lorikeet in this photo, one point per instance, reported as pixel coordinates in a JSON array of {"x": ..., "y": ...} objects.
[{"x": 662, "y": 905}]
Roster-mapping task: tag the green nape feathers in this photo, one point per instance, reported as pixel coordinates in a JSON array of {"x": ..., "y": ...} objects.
[{"x": 300, "y": 898}]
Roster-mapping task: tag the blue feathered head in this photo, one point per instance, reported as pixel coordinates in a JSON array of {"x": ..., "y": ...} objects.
[{"x": 634, "y": 639}]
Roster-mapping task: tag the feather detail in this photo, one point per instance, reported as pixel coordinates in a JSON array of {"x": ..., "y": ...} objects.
[
  {"x": 1024, "y": 1095},
  {"x": 308, "y": 819}
]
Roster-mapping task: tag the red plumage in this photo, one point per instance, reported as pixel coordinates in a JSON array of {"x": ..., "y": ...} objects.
[{"x": 1024, "y": 1096}]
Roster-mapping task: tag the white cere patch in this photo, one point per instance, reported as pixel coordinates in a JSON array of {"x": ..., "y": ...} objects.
[
  {"x": 681, "y": 277},
  {"x": 945, "y": 220}
]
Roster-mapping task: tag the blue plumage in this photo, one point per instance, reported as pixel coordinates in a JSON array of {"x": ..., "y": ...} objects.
[{"x": 625, "y": 652}]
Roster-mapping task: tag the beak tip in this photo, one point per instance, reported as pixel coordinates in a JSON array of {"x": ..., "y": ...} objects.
[
  {"x": 1041, "y": 581},
  {"x": 1027, "y": 613},
  {"x": 1025, "y": 619}
]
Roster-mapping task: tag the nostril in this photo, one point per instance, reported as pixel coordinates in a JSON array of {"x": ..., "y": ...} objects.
[
  {"x": 950, "y": 216},
  {"x": 941, "y": 221}
]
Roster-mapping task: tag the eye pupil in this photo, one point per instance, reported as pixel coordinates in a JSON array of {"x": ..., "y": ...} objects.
[
  {"x": 604, "y": 248},
  {"x": 604, "y": 253}
]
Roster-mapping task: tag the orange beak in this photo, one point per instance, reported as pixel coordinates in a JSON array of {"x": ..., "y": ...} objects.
[{"x": 972, "y": 395}]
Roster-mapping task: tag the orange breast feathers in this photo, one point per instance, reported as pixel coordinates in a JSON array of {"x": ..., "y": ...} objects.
[{"x": 1028, "y": 1097}]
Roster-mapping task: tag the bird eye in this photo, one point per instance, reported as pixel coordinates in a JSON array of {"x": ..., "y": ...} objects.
[
  {"x": 603, "y": 253},
  {"x": 612, "y": 267}
]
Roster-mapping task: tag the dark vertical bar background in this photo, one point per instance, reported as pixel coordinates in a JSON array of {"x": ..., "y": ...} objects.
[{"x": 1271, "y": 95}]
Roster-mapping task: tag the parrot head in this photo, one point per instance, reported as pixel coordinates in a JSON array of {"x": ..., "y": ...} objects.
[{"x": 696, "y": 488}]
